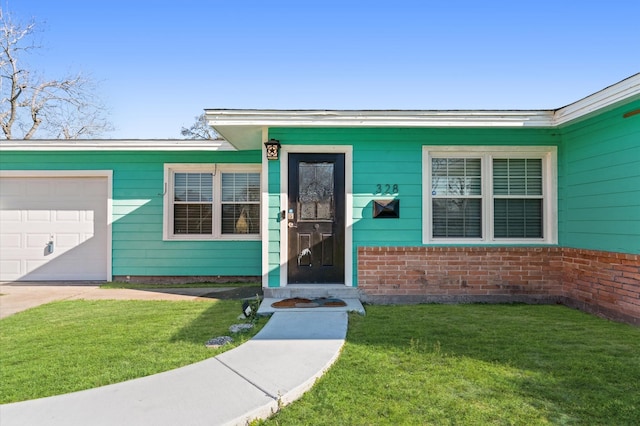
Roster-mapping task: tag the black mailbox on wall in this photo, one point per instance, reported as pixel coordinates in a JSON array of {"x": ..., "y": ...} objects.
[{"x": 386, "y": 209}]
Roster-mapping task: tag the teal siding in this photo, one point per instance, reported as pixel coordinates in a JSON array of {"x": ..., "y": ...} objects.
[
  {"x": 600, "y": 185},
  {"x": 598, "y": 194},
  {"x": 138, "y": 184},
  {"x": 273, "y": 278},
  {"x": 394, "y": 156}
]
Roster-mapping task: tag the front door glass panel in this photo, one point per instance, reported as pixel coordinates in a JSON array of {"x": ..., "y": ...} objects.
[{"x": 316, "y": 192}]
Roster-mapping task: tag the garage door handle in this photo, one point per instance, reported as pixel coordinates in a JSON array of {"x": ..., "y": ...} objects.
[{"x": 50, "y": 247}]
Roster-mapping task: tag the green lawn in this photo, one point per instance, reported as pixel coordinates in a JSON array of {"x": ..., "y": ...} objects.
[
  {"x": 68, "y": 346},
  {"x": 477, "y": 365},
  {"x": 424, "y": 364}
]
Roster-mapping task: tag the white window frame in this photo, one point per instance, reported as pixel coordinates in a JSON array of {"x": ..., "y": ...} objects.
[
  {"x": 548, "y": 155},
  {"x": 216, "y": 170}
]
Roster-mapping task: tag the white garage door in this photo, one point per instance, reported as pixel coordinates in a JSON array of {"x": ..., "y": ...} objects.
[{"x": 53, "y": 228}]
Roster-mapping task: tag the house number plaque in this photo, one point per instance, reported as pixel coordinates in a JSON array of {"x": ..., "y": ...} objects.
[{"x": 386, "y": 189}]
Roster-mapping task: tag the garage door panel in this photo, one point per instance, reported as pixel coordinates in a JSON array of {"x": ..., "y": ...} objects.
[
  {"x": 10, "y": 266},
  {"x": 10, "y": 216},
  {"x": 38, "y": 216},
  {"x": 15, "y": 189},
  {"x": 36, "y": 241},
  {"x": 64, "y": 266},
  {"x": 71, "y": 212},
  {"x": 33, "y": 265},
  {"x": 10, "y": 241},
  {"x": 67, "y": 216},
  {"x": 66, "y": 241},
  {"x": 37, "y": 188},
  {"x": 68, "y": 188}
]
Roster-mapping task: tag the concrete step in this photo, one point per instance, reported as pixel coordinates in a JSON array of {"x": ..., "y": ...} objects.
[
  {"x": 312, "y": 291},
  {"x": 352, "y": 305}
]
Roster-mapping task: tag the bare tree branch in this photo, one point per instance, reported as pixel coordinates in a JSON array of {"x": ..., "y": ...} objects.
[
  {"x": 199, "y": 130},
  {"x": 54, "y": 108}
]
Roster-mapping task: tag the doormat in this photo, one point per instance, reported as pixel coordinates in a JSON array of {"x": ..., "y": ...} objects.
[{"x": 301, "y": 302}]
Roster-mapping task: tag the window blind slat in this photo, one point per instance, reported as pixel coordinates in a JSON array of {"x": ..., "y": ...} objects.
[
  {"x": 457, "y": 218},
  {"x": 517, "y": 218},
  {"x": 192, "y": 219}
]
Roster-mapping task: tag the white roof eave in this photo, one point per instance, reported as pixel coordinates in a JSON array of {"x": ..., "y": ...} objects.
[
  {"x": 627, "y": 90},
  {"x": 243, "y": 128}
]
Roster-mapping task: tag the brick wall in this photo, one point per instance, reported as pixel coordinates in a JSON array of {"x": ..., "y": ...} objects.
[
  {"x": 603, "y": 283},
  {"x": 600, "y": 282}
]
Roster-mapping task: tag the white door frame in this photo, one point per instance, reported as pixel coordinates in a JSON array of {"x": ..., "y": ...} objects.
[{"x": 108, "y": 174}]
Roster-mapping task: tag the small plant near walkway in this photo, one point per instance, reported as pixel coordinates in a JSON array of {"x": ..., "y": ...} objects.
[
  {"x": 477, "y": 365},
  {"x": 73, "y": 345},
  {"x": 250, "y": 308}
]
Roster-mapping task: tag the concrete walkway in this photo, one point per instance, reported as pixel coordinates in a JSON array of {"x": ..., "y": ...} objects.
[{"x": 251, "y": 381}]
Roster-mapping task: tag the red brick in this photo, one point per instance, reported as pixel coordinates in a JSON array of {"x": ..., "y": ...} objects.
[
  {"x": 633, "y": 288},
  {"x": 630, "y": 308},
  {"x": 583, "y": 274},
  {"x": 628, "y": 282},
  {"x": 632, "y": 275},
  {"x": 628, "y": 293},
  {"x": 633, "y": 300}
]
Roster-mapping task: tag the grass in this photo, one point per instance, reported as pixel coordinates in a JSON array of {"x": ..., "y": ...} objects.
[
  {"x": 73, "y": 345},
  {"x": 477, "y": 365},
  {"x": 424, "y": 364}
]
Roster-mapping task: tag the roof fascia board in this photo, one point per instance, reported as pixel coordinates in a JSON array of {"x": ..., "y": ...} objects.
[
  {"x": 626, "y": 90},
  {"x": 378, "y": 118}
]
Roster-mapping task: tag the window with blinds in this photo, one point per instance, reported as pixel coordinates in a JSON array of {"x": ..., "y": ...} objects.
[
  {"x": 456, "y": 187},
  {"x": 485, "y": 194},
  {"x": 212, "y": 201},
  {"x": 517, "y": 198},
  {"x": 240, "y": 203},
  {"x": 192, "y": 203}
]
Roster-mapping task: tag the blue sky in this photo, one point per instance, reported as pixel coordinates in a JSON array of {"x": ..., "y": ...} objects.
[{"x": 160, "y": 63}]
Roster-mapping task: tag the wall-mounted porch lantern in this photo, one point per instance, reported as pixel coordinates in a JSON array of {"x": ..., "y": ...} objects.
[{"x": 273, "y": 147}]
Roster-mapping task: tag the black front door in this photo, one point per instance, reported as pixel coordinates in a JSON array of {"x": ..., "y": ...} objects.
[{"x": 315, "y": 217}]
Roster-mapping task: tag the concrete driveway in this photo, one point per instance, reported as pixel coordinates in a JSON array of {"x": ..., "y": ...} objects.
[{"x": 17, "y": 297}]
